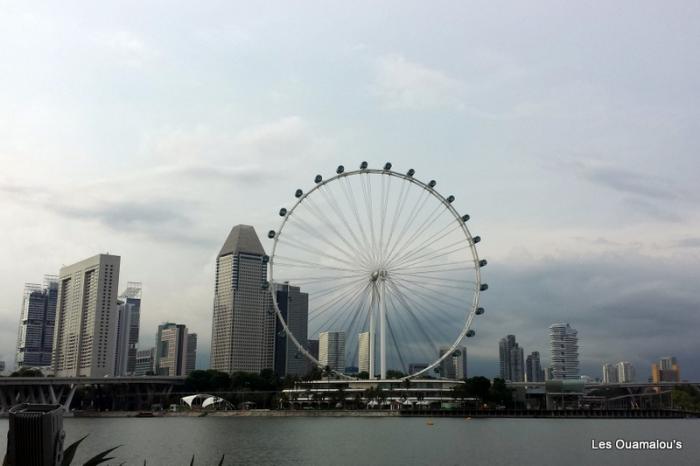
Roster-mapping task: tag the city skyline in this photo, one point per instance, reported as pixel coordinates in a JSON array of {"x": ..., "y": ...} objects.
[{"x": 580, "y": 176}]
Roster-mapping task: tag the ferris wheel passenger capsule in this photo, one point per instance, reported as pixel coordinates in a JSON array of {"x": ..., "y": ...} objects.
[
  {"x": 298, "y": 193},
  {"x": 340, "y": 169},
  {"x": 432, "y": 183},
  {"x": 387, "y": 166},
  {"x": 265, "y": 259},
  {"x": 465, "y": 218},
  {"x": 482, "y": 263},
  {"x": 470, "y": 333},
  {"x": 484, "y": 287},
  {"x": 476, "y": 239},
  {"x": 410, "y": 172},
  {"x": 451, "y": 199},
  {"x": 363, "y": 166},
  {"x": 283, "y": 212},
  {"x": 271, "y": 234},
  {"x": 479, "y": 311},
  {"x": 318, "y": 179}
]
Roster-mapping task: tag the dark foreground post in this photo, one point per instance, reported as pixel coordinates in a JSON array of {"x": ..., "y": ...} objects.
[{"x": 36, "y": 435}]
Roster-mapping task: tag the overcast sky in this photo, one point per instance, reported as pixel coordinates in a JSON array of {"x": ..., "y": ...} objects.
[{"x": 569, "y": 131}]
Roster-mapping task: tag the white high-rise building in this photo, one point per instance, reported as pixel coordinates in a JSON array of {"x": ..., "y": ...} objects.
[
  {"x": 331, "y": 350},
  {"x": 243, "y": 326},
  {"x": 609, "y": 373},
  {"x": 363, "y": 352},
  {"x": 563, "y": 340},
  {"x": 625, "y": 372},
  {"x": 86, "y": 318}
]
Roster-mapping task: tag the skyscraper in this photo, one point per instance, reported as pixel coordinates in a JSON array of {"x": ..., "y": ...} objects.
[
  {"x": 511, "y": 358},
  {"x": 129, "y": 316},
  {"x": 36, "y": 325},
  {"x": 625, "y": 372},
  {"x": 563, "y": 340},
  {"x": 609, "y": 373},
  {"x": 454, "y": 367},
  {"x": 533, "y": 368},
  {"x": 331, "y": 350},
  {"x": 294, "y": 306},
  {"x": 86, "y": 318},
  {"x": 172, "y": 349},
  {"x": 191, "y": 361},
  {"x": 363, "y": 352},
  {"x": 243, "y": 324},
  {"x": 667, "y": 370}
]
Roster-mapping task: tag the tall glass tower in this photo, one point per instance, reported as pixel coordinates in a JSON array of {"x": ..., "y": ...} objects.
[
  {"x": 36, "y": 325},
  {"x": 128, "y": 317},
  {"x": 563, "y": 341},
  {"x": 243, "y": 323}
]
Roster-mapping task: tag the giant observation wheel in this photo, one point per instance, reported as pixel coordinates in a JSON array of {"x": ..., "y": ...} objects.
[{"x": 389, "y": 269}]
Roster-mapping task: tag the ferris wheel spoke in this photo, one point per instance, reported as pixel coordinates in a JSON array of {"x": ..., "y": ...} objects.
[
  {"x": 316, "y": 294},
  {"x": 341, "y": 310},
  {"x": 409, "y": 309},
  {"x": 433, "y": 239},
  {"x": 396, "y": 345},
  {"x": 431, "y": 255},
  {"x": 299, "y": 263},
  {"x": 437, "y": 296},
  {"x": 417, "y": 208},
  {"x": 354, "y": 328},
  {"x": 350, "y": 195},
  {"x": 320, "y": 254},
  {"x": 397, "y": 212},
  {"x": 386, "y": 188},
  {"x": 323, "y": 218},
  {"x": 327, "y": 309},
  {"x": 425, "y": 307},
  {"x": 428, "y": 276},
  {"x": 441, "y": 265},
  {"x": 367, "y": 192},
  {"x": 335, "y": 207},
  {"x": 434, "y": 215}
]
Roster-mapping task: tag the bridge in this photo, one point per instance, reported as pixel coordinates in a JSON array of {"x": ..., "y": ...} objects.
[{"x": 113, "y": 393}]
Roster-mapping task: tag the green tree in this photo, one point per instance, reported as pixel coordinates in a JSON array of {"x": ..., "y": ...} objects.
[{"x": 27, "y": 372}]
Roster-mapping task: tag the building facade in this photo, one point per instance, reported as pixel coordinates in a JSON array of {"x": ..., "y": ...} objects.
[
  {"x": 86, "y": 318},
  {"x": 191, "y": 361},
  {"x": 128, "y": 318},
  {"x": 243, "y": 326},
  {"x": 533, "y": 368},
  {"x": 36, "y": 325},
  {"x": 294, "y": 307},
  {"x": 609, "y": 373},
  {"x": 625, "y": 372},
  {"x": 363, "y": 352},
  {"x": 331, "y": 350},
  {"x": 511, "y": 359},
  {"x": 172, "y": 354},
  {"x": 666, "y": 370},
  {"x": 454, "y": 367},
  {"x": 563, "y": 341},
  {"x": 145, "y": 362}
]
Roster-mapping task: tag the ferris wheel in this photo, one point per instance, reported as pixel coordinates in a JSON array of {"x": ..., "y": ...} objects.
[{"x": 387, "y": 262}]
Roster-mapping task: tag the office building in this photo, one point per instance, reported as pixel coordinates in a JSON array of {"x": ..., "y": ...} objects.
[
  {"x": 454, "y": 367},
  {"x": 2, "y": 367},
  {"x": 172, "y": 352},
  {"x": 417, "y": 367},
  {"x": 128, "y": 318},
  {"x": 331, "y": 350},
  {"x": 191, "y": 359},
  {"x": 145, "y": 362},
  {"x": 363, "y": 352},
  {"x": 666, "y": 370},
  {"x": 511, "y": 359},
  {"x": 609, "y": 373},
  {"x": 563, "y": 340},
  {"x": 625, "y": 372},
  {"x": 294, "y": 307},
  {"x": 243, "y": 326},
  {"x": 36, "y": 325},
  {"x": 533, "y": 368},
  {"x": 86, "y": 318}
]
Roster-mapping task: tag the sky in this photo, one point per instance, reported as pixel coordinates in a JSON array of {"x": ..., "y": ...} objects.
[{"x": 568, "y": 131}]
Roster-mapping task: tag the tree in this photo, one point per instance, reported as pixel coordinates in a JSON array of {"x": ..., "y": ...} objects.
[
  {"x": 27, "y": 372},
  {"x": 364, "y": 375},
  {"x": 500, "y": 393},
  {"x": 394, "y": 374}
]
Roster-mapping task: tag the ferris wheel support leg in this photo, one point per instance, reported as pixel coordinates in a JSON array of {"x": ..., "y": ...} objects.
[
  {"x": 382, "y": 331},
  {"x": 371, "y": 336}
]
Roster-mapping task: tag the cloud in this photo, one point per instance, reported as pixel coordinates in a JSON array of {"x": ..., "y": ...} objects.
[
  {"x": 688, "y": 243},
  {"x": 629, "y": 181},
  {"x": 127, "y": 48},
  {"x": 402, "y": 84}
]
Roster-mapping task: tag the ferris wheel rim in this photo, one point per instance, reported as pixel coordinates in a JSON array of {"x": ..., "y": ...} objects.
[{"x": 431, "y": 191}]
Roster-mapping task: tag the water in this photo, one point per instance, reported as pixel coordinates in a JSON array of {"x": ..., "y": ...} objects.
[{"x": 369, "y": 441}]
